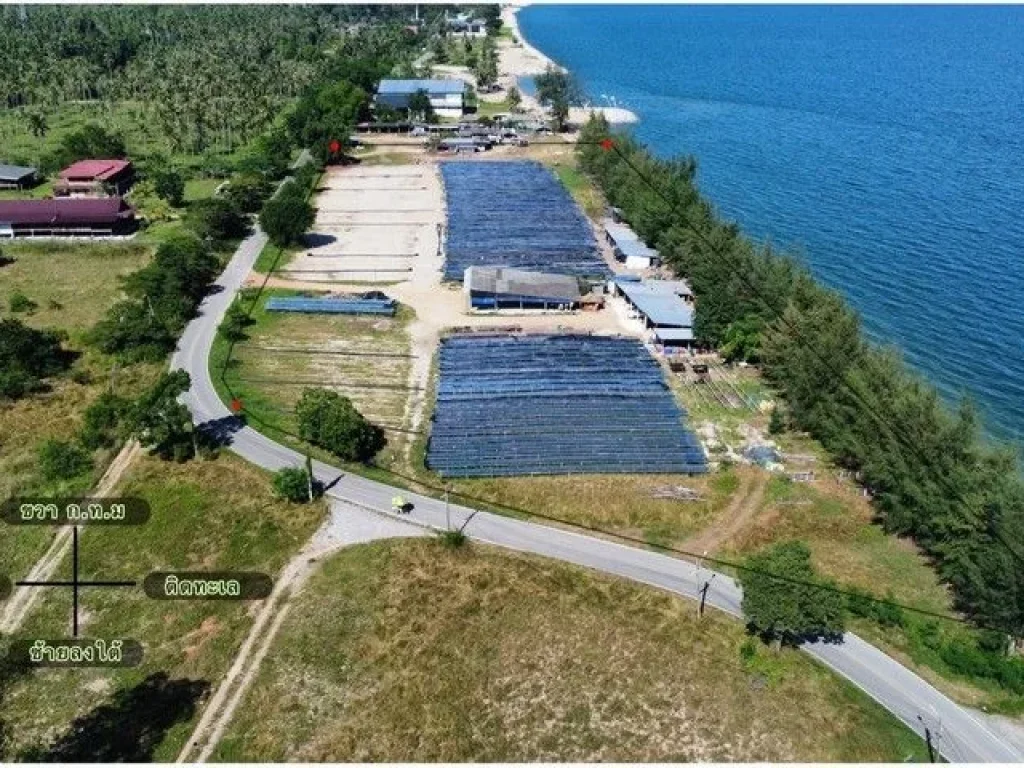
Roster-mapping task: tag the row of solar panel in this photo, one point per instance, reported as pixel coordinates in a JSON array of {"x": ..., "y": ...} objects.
[
  {"x": 331, "y": 306},
  {"x": 516, "y": 215},
  {"x": 554, "y": 405}
]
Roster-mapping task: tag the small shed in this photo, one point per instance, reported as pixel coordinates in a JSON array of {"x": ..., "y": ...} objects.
[
  {"x": 17, "y": 177},
  {"x": 503, "y": 288},
  {"x": 627, "y": 245}
]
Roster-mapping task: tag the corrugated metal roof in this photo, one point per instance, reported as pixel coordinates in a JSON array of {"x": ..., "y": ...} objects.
[
  {"x": 95, "y": 169},
  {"x": 517, "y": 282},
  {"x": 104, "y": 210},
  {"x": 430, "y": 86},
  {"x": 661, "y": 308},
  {"x": 15, "y": 172},
  {"x": 626, "y": 240},
  {"x": 674, "y": 334}
]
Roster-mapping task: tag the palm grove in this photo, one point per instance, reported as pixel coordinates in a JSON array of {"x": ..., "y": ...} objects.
[{"x": 931, "y": 474}]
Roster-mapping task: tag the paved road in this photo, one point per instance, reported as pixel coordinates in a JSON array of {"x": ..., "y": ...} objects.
[{"x": 960, "y": 735}]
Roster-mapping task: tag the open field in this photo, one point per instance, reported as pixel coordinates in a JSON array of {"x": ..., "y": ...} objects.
[
  {"x": 215, "y": 515},
  {"x": 413, "y": 652},
  {"x": 363, "y": 358},
  {"x": 73, "y": 283}
]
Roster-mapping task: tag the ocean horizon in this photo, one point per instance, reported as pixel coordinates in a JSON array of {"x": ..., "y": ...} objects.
[{"x": 881, "y": 144}]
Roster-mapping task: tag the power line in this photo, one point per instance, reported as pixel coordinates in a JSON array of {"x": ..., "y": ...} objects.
[
  {"x": 740, "y": 567},
  {"x": 842, "y": 376}
]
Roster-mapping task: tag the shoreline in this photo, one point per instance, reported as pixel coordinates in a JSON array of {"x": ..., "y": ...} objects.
[{"x": 521, "y": 59}]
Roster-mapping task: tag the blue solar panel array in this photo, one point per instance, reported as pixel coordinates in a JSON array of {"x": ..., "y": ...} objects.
[
  {"x": 556, "y": 405},
  {"x": 515, "y": 214},
  {"x": 331, "y": 306}
]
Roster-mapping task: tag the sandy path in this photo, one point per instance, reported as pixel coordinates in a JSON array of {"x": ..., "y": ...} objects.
[
  {"x": 347, "y": 525},
  {"x": 24, "y": 599},
  {"x": 741, "y": 511}
]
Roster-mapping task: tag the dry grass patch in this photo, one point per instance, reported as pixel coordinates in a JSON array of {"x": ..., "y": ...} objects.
[
  {"x": 413, "y": 652},
  {"x": 73, "y": 283},
  {"x": 845, "y": 544},
  {"x": 207, "y": 515},
  {"x": 623, "y": 504}
]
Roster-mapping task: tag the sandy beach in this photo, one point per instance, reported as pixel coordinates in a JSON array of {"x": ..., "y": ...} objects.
[{"x": 520, "y": 59}]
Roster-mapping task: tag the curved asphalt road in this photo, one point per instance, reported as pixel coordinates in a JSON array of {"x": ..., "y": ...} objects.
[{"x": 960, "y": 735}]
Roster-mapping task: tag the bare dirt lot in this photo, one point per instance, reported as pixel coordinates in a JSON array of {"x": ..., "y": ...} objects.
[{"x": 374, "y": 224}]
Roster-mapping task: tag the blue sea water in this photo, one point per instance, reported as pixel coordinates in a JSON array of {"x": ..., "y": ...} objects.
[{"x": 884, "y": 143}]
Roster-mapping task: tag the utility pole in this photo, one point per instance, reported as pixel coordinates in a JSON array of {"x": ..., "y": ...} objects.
[
  {"x": 703, "y": 585},
  {"x": 704, "y": 594},
  {"x": 928, "y": 740},
  {"x": 447, "y": 510},
  {"x": 309, "y": 476}
]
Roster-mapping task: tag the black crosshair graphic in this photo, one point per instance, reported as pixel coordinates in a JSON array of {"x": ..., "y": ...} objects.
[{"x": 75, "y": 584}]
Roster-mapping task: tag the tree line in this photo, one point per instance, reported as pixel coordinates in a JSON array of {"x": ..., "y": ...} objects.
[
  {"x": 204, "y": 77},
  {"x": 930, "y": 472}
]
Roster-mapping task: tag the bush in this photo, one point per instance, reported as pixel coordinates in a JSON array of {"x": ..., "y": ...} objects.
[
  {"x": 785, "y": 601},
  {"x": 248, "y": 192},
  {"x": 236, "y": 320},
  {"x": 170, "y": 186},
  {"x": 61, "y": 460},
  {"x": 27, "y": 356},
  {"x": 286, "y": 216},
  {"x": 101, "y": 420},
  {"x": 292, "y": 484},
  {"x": 19, "y": 303},
  {"x": 453, "y": 539},
  {"x": 216, "y": 219},
  {"x": 330, "y": 421}
]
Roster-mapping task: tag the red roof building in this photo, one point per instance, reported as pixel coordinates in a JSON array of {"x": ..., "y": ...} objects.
[
  {"x": 63, "y": 217},
  {"x": 94, "y": 178}
]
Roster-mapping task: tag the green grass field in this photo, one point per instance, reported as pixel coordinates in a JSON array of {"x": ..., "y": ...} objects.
[
  {"x": 583, "y": 190},
  {"x": 286, "y": 352},
  {"x": 207, "y": 515},
  {"x": 413, "y": 652}
]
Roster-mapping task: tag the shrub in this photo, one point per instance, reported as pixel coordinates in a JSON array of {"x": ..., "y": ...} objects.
[
  {"x": 453, "y": 539},
  {"x": 785, "y": 601},
  {"x": 248, "y": 192},
  {"x": 170, "y": 186},
  {"x": 61, "y": 460},
  {"x": 292, "y": 484},
  {"x": 234, "y": 324},
  {"x": 101, "y": 420},
  {"x": 216, "y": 219},
  {"x": 19, "y": 302},
  {"x": 27, "y": 356},
  {"x": 330, "y": 421}
]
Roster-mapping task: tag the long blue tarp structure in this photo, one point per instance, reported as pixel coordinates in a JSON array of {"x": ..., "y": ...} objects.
[
  {"x": 555, "y": 405},
  {"x": 331, "y": 306},
  {"x": 515, "y": 214}
]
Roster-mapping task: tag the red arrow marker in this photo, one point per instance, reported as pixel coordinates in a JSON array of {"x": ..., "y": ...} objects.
[
  {"x": 334, "y": 146},
  {"x": 607, "y": 144},
  {"x": 236, "y": 405}
]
